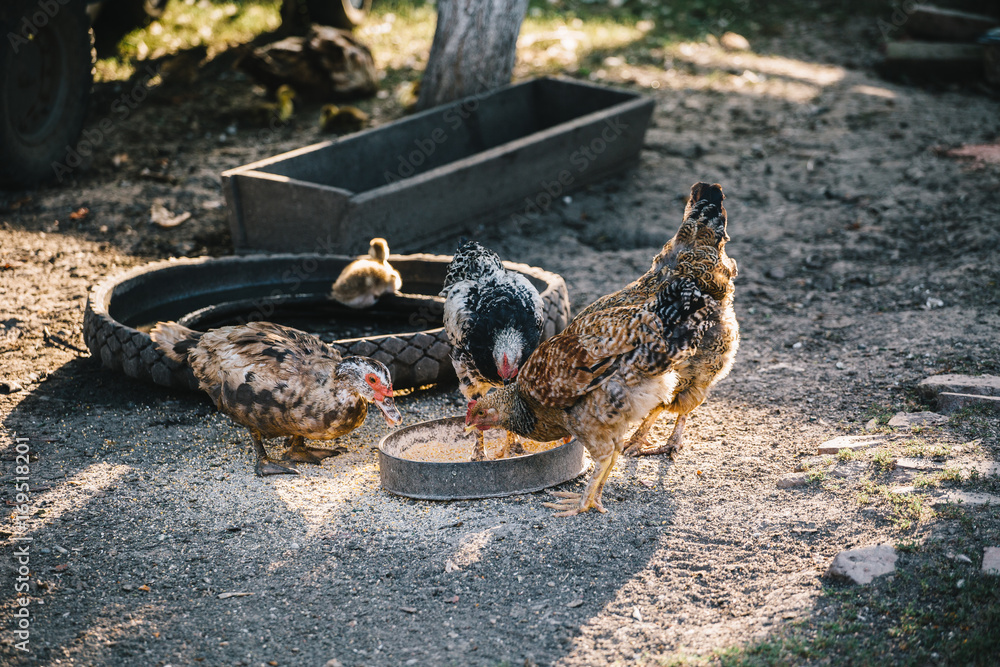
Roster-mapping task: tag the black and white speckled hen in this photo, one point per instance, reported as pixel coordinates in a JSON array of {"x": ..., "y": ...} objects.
[
  {"x": 493, "y": 317},
  {"x": 606, "y": 371},
  {"x": 278, "y": 381}
]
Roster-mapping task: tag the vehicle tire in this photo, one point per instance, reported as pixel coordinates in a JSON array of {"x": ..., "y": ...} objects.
[
  {"x": 197, "y": 291},
  {"x": 298, "y": 15},
  {"x": 46, "y": 65}
]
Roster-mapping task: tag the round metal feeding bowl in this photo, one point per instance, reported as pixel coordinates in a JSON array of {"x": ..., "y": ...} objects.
[
  {"x": 461, "y": 480},
  {"x": 402, "y": 331}
]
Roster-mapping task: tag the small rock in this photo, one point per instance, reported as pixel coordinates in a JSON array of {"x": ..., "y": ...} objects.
[
  {"x": 127, "y": 587},
  {"x": 333, "y": 662},
  {"x": 918, "y": 464},
  {"x": 961, "y": 558},
  {"x": 982, "y": 468},
  {"x": 852, "y": 442},
  {"x": 901, "y": 419},
  {"x": 732, "y": 41},
  {"x": 849, "y": 470},
  {"x": 776, "y": 272},
  {"x": 991, "y": 561},
  {"x": 574, "y": 604},
  {"x": 948, "y": 402},
  {"x": 982, "y": 385},
  {"x": 792, "y": 480},
  {"x": 966, "y": 498},
  {"x": 871, "y": 424},
  {"x": 862, "y": 565},
  {"x": 903, "y": 490},
  {"x": 10, "y": 387}
]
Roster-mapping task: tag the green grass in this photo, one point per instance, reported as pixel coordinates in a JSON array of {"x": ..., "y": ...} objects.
[
  {"x": 189, "y": 23},
  {"x": 919, "y": 616}
]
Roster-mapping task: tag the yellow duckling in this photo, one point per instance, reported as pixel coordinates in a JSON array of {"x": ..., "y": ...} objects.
[
  {"x": 367, "y": 278},
  {"x": 341, "y": 119},
  {"x": 273, "y": 113}
]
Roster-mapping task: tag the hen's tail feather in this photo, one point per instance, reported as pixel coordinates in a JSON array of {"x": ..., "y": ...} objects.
[
  {"x": 686, "y": 314},
  {"x": 472, "y": 261},
  {"x": 704, "y": 210},
  {"x": 174, "y": 340}
]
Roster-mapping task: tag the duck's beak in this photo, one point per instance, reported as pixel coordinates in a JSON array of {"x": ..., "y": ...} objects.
[{"x": 388, "y": 408}]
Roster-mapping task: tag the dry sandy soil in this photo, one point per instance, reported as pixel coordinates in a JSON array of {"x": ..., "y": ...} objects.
[{"x": 867, "y": 262}]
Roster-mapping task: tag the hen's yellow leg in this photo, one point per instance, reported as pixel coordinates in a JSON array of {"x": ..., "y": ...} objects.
[
  {"x": 479, "y": 452},
  {"x": 573, "y": 503},
  {"x": 673, "y": 443},
  {"x": 638, "y": 444},
  {"x": 511, "y": 446}
]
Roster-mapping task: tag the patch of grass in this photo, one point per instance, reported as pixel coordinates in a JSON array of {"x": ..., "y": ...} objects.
[
  {"x": 906, "y": 510},
  {"x": 918, "y": 617},
  {"x": 918, "y": 447},
  {"x": 817, "y": 477},
  {"x": 187, "y": 24},
  {"x": 848, "y": 455},
  {"x": 884, "y": 461}
]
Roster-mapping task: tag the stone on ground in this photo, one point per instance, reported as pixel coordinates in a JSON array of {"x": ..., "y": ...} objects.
[
  {"x": 991, "y": 561},
  {"x": 792, "y": 480},
  {"x": 982, "y": 385},
  {"x": 912, "y": 419},
  {"x": 948, "y": 402},
  {"x": 852, "y": 442},
  {"x": 966, "y": 498},
  {"x": 850, "y": 470},
  {"x": 864, "y": 564}
]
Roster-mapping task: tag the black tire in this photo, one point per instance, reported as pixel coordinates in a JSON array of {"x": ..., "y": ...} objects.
[
  {"x": 118, "y": 18},
  {"x": 298, "y": 15},
  {"x": 45, "y": 78},
  {"x": 118, "y": 310}
]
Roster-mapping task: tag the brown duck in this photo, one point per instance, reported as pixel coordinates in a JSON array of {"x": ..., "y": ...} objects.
[{"x": 278, "y": 381}]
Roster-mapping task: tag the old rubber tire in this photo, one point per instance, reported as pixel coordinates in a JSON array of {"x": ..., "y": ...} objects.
[
  {"x": 45, "y": 79},
  {"x": 168, "y": 290},
  {"x": 298, "y": 15}
]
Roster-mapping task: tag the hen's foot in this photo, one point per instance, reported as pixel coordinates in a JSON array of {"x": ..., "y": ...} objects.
[
  {"x": 641, "y": 446},
  {"x": 513, "y": 447},
  {"x": 479, "y": 451},
  {"x": 571, "y": 504},
  {"x": 268, "y": 466},
  {"x": 311, "y": 454}
]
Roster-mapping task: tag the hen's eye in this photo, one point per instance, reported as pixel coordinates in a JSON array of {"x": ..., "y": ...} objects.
[{"x": 371, "y": 379}]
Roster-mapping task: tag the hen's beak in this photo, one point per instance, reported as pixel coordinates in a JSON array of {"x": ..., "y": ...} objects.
[
  {"x": 508, "y": 372},
  {"x": 388, "y": 408}
]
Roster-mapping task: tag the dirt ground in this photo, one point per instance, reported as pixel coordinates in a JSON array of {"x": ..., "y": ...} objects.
[{"x": 867, "y": 261}]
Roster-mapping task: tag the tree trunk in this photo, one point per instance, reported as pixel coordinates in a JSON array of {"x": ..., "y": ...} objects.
[{"x": 473, "y": 51}]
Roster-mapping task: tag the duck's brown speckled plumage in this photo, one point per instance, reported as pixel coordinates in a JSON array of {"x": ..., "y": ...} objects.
[{"x": 278, "y": 381}]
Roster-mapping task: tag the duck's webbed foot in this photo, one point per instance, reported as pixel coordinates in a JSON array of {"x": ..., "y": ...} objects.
[
  {"x": 268, "y": 466},
  {"x": 299, "y": 452},
  {"x": 265, "y": 464}
]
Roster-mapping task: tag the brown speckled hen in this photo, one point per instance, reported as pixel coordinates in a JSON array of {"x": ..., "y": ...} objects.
[
  {"x": 606, "y": 371},
  {"x": 278, "y": 381},
  {"x": 697, "y": 253}
]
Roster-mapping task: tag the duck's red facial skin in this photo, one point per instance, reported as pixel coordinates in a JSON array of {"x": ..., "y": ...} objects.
[{"x": 381, "y": 391}]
